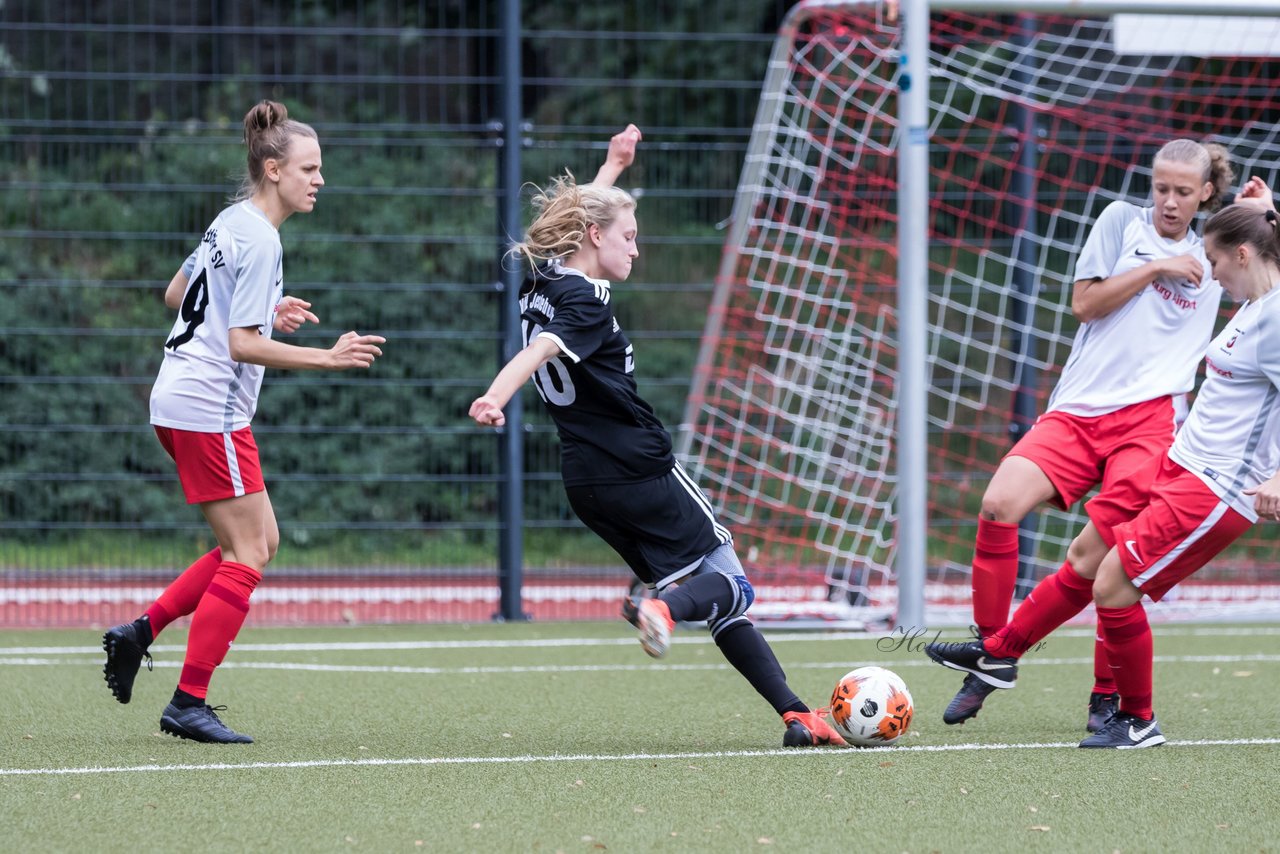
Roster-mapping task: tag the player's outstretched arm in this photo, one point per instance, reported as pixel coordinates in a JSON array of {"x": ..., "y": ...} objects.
[
  {"x": 1256, "y": 193},
  {"x": 622, "y": 153},
  {"x": 352, "y": 350},
  {"x": 487, "y": 409}
]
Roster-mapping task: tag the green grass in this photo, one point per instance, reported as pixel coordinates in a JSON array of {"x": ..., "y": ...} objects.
[
  {"x": 496, "y": 743},
  {"x": 544, "y": 548}
]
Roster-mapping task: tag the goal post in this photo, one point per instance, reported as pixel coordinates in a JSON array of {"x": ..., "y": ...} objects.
[{"x": 893, "y": 302}]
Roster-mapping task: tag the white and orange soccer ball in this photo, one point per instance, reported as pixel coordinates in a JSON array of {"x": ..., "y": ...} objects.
[{"x": 871, "y": 706}]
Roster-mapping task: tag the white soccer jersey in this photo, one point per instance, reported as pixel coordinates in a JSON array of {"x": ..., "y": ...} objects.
[
  {"x": 1231, "y": 439},
  {"x": 1151, "y": 345},
  {"x": 238, "y": 281}
]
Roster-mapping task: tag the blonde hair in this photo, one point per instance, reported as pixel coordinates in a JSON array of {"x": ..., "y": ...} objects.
[
  {"x": 268, "y": 130},
  {"x": 1214, "y": 162},
  {"x": 563, "y": 213}
]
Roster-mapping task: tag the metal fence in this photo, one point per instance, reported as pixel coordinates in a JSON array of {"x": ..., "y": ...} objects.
[{"x": 119, "y": 142}]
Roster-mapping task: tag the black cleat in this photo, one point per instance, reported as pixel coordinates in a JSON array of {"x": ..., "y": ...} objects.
[
  {"x": 1126, "y": 732},
  {"x": 200, "y": 723},
  {"x": 124, "y": 656},
  {"x": 971, "y": 657},
  {"x": 1101, "y": 708},
  {"x": 967, "y": 701}
]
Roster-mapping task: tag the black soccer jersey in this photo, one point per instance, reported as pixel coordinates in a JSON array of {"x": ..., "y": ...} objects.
[{"x": 608, "y": 433}]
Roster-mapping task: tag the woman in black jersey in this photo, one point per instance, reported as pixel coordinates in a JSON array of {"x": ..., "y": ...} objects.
[{"x": 616, "y": 460}]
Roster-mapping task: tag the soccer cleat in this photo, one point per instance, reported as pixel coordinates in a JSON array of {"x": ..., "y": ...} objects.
[
  {"x": 653, "y": 618},
  {"x": 1101, "y": 708},
  {"x": 809, "y": 729},
  {"x": 967, "y": 701},
  {"x": 200, "y": 723},
  {"x": 124, "y": 657},
  {"x": 971, "y": 657},
  {"x": 1126, "y": 732}
]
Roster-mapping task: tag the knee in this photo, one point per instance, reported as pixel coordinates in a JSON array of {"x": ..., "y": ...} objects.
[
  {"x": 256, "y": 555},
  {"x": 273, "y": 546},
  {"x": 724, "y": 561},
  {"x": 999, "y": 505},
  {"x": 1087, "y": 551},
  {"x": 1112, "y": 588},
  {"x": 1084, "y": 557},
  {"x": 1018, "y": 487},
  {"x": 1103, "y": 592},
  {"x": 748, "y": 592}
]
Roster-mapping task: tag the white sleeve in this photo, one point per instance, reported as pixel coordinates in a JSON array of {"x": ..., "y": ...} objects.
[
  {"x": 189, "y": 265},
  {"x": 254, "y": 268},
  {"x": 1269, "y": 345},
  {"x": 1102, "y": 247}
]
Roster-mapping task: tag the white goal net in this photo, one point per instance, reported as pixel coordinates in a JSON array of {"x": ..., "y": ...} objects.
[{"x": 1036, "y": 123}]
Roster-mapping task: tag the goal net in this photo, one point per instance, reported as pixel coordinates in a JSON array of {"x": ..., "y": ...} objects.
[{"x": 1036, "y": 123}]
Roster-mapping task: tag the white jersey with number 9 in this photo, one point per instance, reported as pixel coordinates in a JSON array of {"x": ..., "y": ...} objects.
[{"x": 236, "y": 282}]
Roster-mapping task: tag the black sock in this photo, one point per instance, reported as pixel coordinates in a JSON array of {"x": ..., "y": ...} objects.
[
  {"x": 183, "y": 700},
  {"x": 142, "y": 626},
  {"x": 747, "y": 650},
  {"x": 702, "y": 597}
]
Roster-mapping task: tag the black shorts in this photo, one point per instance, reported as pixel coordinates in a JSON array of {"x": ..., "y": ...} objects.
[{"x": 662, "y": 528}]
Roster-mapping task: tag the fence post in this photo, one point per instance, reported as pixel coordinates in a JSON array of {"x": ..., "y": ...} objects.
[
  {"x": 1026, "y": 280},
  {"x": 511, "y": 437}
]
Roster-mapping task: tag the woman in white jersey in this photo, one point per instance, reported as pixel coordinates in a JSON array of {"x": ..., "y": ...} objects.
[
  {"x": 1146, "y": 305},
  {"x": 1218, "y": 478},
  {"x": 229, "y": 296}
]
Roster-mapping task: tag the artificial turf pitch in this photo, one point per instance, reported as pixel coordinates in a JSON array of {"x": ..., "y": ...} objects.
[{"x": 566, "y": 737}]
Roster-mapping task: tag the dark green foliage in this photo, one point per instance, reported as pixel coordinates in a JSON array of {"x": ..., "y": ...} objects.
[{"x": 119, "y": 143}]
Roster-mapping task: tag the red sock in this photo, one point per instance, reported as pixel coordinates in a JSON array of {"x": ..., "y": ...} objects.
[
  {"x": 1104, "y": 681},
  {"x": 216, "y": 623},
  {"x": 995, "y": 573},
  {"x": 1129, "y": 647},
  {"x": 181, "y": 597},
  {"x": 1054, "y": 601}
]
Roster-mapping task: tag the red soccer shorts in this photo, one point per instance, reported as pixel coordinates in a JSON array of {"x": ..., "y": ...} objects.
[
  {"x": 1184, "y": 527},
  {"x": 1115, "y": 450},
  {"x": 214, "y": 466}
]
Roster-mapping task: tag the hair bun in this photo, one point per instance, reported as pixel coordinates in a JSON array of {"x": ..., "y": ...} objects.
[{"x": 263, "y": 116}]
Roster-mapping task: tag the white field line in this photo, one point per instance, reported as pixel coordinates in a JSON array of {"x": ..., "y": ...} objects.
[
  {"x": 1255, "y": 658},
  {"x": 373, "y": 646},
  {"x": 806, "y": 753},
  {"x": 783, "y": 597},
  {"x": 885, "y": 642}
]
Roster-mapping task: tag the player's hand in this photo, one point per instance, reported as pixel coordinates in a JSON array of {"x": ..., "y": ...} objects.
[
  {"x": 622, "y": 147},
  {"x": 1182, "y": 268},
  {"x": 1266, "y": 499},
  {"x": 486, "y": 412},
  {"x": 354, "y": 350},
  {"x": 291, "y": 313},
  {"x": 1255, "y": 193}
]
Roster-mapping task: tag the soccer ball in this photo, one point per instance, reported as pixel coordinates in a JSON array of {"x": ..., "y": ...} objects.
[{"x": 871, "y": 706}]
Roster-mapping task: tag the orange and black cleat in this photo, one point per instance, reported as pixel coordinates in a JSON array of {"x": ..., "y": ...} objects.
[
  {"x": 810, "y": 729},
  {"x": 653, "y": 618}
]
